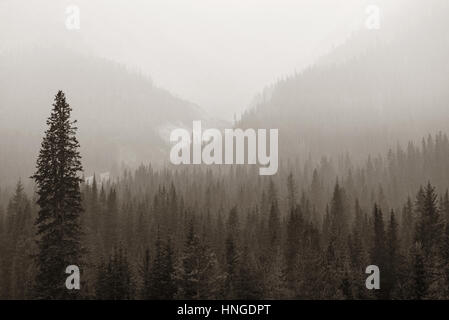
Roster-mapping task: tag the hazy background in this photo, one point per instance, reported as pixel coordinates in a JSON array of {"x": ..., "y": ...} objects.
[
  {"x": 137, "y": 69},
  {"x": 216, "y": 53}
]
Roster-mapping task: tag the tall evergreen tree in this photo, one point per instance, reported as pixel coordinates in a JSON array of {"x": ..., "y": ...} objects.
[
  {"x": 429, "y": 236},
  {"x": 115, "y": 278},
  {"x": 358, "y": 254},
  {"x": 110, "y": 232},
  {"x": 419, "y": 285},
  {"x": 291, "y": 192},
  {"x": 248, "y": 284},
  {"x": 445, "y": 260},
  {"x": 160, "y": 282},
  {"x": 378, "y": 251},
  {"x": 338, "y": 215},
  {"x": 292, "y": 244},
  {"x": 197, "y": 271},
  {"x": 231, "y": 253},
  {"x": 429, "y": 228},
  {"x": 274, "y": 226},
  {"x": 408, "y": 224},
  {"x": 392, "y": 259},
  {"x": 59, "y": 200}
]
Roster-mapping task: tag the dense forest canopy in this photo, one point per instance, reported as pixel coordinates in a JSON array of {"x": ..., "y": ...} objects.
[{"x": 226, "y": 232}]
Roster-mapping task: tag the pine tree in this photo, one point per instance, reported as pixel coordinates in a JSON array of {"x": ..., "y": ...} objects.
[
  {"x": 429, "y": 236},
  {"x": 291, "y": 192},
  {"x": 307, "y": 282},
  {"x": 429, "y": 227},
  {"x": 111, "y": 225},
  {"x": 197, "y": 271},
  {"x": 292, "y": 244},
  {"x": 274, "y": 227},
  {"x": 331, "y": 273},
  {"x": 274, "y": 285},
  {"x": 248, "y": 282},
  {"x": 15, "y": 260},
  {"x": 408, "y": 225},
  {"x": 392, "y": 259},
  {"x": 3, "y": 261},
  {"x": 316, "y": 191},
  {"x": 94, "y": 207},
  {"x": 358, "y": 254},
  {"x": 145, "y": 269},
  {"x": 445, "y": 260},
  {"x": 59, "y": 200},
  {"x": 159, "y": 282},
  {"x": 378, "y": 251},
  {"x": 23, "y": 268},
  {"x": 338, "y": 215},
  {"x": 444, "y": 203},
  {"x": 231, "y": 254},
  {"x": 115, "y": 279},
  {"x": 419, "y": 286}
]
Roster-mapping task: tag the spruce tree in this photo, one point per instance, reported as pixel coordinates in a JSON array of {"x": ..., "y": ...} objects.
[
  {"x": 21, "y": 231},
  {"x": 17, "y": 232},
  {"x": 231, "y": 254},
  {"x": 292, "y": 244},
  {"x": 392, "y": 256},
  {"x": 429, "y": 228},
  {"x": 3, "y": 251},
  {"x": 248, "y": 284},
  {"x": 197, "y": 270},
  {"x": 420, "y": 281},
  {"x": 358, "y": 253},
  {"x": 274, "y": 227},
  {"x": 316, "y": 191},
  {"x": 159, "y": 280},
  {"x": 111, "y": 223},
  {"x": 291, "y": 192},
  {"x": 115, "y": 279},
  {"x": 338, "y": 215},
  {"x": 59, "y": 200},
  {"x": 408, "y": 225},
  {"x": 445, "y": 259},
  {"x": 378, "y": 250}
]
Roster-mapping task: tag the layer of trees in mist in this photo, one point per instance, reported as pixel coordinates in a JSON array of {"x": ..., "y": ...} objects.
[
  {"x": 212, "y": 232},
  {"x": 124, "y": 117},
  {"x": 376, "y": 88},
  {"x": 224, "y": 232}
]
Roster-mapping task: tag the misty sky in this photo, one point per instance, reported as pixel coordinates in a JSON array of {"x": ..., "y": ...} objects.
[{"x": 215, "y": 53}]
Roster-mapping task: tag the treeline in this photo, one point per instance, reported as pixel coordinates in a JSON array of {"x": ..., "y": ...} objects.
[{"x": 208, "y": 233}]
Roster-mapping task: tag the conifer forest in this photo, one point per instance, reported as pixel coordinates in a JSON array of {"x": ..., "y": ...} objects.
[{"x": 122, "y": 176}]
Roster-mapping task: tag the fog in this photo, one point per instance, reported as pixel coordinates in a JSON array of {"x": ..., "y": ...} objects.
[
  {"x": 136, "y": 70},
  {"x": 217, "y": 54},
  {"x": 169, "y": 196}
]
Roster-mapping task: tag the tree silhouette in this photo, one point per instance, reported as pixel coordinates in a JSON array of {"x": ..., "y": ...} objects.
[{"x": 59, "y": 200}]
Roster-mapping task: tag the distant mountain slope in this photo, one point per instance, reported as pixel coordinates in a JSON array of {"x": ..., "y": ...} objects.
[
  {"x": 378, "y": 88},
  {"x": 122, "y": 117}
]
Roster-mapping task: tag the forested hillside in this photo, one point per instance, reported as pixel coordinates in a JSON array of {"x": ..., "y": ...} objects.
[
  {"x": 226, "y": 232},
  {"x": 377, "y": 87},
  {"x": 124, "y": 117},
  {"x": 363, "y": 155}
]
